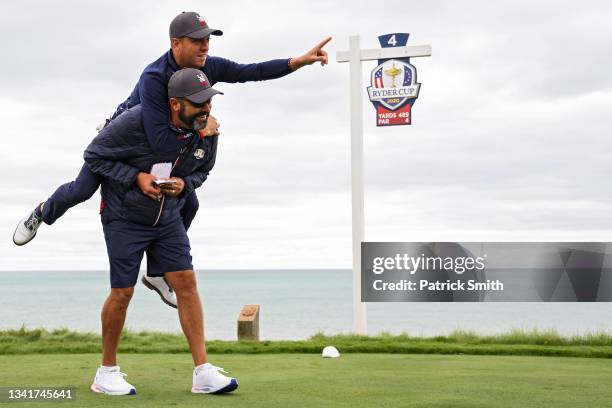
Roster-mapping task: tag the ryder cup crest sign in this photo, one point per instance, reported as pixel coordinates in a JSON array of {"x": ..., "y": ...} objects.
[{"x": 393, "y": 85}]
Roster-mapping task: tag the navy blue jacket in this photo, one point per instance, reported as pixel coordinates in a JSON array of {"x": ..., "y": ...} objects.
[
  {"x": 121, "y": 150},
  {"x": 151, "y": 91}
]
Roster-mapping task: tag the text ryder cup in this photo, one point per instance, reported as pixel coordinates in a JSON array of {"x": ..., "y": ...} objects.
[
  {"x": 403, "y": 92},
  {"x": 494, "y": 285}
]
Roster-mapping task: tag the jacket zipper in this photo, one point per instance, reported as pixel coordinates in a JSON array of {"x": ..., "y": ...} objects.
[{"x": 161, "y": 207}]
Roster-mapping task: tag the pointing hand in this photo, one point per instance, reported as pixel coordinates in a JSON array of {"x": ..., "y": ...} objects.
[{"x": 316, "y": 54}]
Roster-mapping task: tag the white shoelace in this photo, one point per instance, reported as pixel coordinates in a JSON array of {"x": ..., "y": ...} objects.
[
  {"x": 219, "y": 369},
  {"x": 116, "y": 375},
  {"x": 210, "y": 367}
]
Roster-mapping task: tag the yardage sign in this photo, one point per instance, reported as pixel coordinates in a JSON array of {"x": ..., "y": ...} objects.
[
  {"x": 393, "y": 85},
  {"x": 394, "y": 49}
]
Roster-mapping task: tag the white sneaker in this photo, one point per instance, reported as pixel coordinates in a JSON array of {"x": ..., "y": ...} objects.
[
  {"x": 109, "y": 380},
  {"x": 207, "y": 379},
  {"x": 160, "y": 285},
  {"x": 26, "y": 229}
]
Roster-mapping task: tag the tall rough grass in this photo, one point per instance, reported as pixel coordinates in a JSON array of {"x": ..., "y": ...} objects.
[{"x": 516, "y": 342}]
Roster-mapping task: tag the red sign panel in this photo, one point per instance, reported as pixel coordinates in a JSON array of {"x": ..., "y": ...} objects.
[{"x": 386, "y": 117}]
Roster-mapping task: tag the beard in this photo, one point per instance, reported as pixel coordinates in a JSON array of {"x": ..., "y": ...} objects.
[{"x": 191, "y": 121}]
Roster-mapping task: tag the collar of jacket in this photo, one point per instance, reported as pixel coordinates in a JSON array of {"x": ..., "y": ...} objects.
[
  {"x": 182, "y": 133},
  {"x": 171, "y": 62}
]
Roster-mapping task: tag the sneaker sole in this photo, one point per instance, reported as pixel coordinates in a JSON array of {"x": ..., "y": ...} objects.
[
  {"x": 148, "y": 285},
  {"x": 228, "y": 388},
  {"x": 100, "y": 390}
]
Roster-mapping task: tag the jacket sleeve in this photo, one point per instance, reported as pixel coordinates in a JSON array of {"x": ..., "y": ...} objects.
[
  {"x": 103, "y": 156},
  {"x": 195, "y": 180},
  {"x": 224, "y": 70},
  {"x": 156, "y": 113}
]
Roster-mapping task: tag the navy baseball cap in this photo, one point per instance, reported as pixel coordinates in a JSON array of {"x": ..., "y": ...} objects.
[
  {"x": 190, "y": 24},
  {"x": 192, "y": 84}
]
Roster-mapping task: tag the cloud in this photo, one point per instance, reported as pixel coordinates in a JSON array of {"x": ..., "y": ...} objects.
[{"x": 510, "y": 132}]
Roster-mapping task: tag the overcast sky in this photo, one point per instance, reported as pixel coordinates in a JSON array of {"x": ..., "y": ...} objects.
[{"x": 510, "y": 137}]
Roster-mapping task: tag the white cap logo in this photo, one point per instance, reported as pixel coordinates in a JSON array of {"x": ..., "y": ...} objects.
[
  {"x": 202, "y": 22},
  {"x": 202, "y": 79}
]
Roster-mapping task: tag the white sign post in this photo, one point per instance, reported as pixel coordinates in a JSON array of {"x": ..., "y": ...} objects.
[{"x": 354, "y": 56}]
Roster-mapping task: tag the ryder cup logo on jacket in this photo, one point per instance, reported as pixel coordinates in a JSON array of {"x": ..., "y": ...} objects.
[{"x": 199, "y": 154}]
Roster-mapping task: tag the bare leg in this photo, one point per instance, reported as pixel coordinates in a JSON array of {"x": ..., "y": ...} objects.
[
  {"x": 190, "y": 312},
  {"x": 113, "y": 318}
]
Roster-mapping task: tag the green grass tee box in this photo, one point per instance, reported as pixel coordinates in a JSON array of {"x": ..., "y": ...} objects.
[{"x": 308, "y": 380}]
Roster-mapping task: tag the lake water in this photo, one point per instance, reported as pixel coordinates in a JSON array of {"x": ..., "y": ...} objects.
[{"x": 295, "y": 304}]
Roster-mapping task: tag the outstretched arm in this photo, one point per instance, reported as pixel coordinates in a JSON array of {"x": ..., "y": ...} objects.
[{"x": 224, "y": 70}]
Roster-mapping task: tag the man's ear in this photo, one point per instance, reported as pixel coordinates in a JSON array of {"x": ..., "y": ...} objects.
[{"x": 175, "y": 105}]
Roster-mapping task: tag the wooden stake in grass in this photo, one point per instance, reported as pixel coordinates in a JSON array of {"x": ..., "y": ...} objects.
[{"x": 248, "y": 323}]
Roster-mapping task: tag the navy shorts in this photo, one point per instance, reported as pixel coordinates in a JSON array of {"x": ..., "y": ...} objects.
[{"x": 167, "y": 247}]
